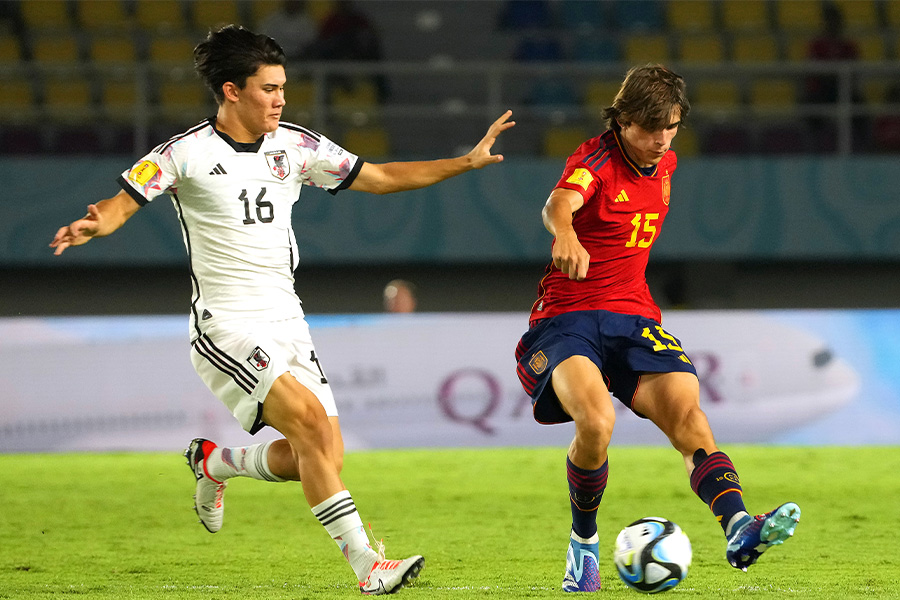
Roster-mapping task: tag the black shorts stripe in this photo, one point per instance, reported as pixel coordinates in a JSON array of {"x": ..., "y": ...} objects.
[{"x": 245, "y": 380}]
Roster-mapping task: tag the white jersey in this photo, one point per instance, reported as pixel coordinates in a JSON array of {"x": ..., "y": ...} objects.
[{"x": 234, "y": 203}]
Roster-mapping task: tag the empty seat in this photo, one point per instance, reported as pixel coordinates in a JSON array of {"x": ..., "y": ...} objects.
[
  {"x": 561, "y": 141},
  {"x": 715, "y": 94},
  {"x": 798, "y": 15},
  {"x": 59, "y": 49},
  {"x": 369, "y": 141},
  {"x": 10, "y": 49},
  {"x": 741, "y": 15},
  {"x": 17, "y": 99},
  {"x": 182, "y": 99},
  {"x": 119, "y": 99},
  {"x": 773, "y": 94},
  {"x": 46, "y": 14},
  {"x": 160, "y": 15},
  {"x": 871, "y": 47},
  {"x": 754, "y": 48},
  {"x": 209, "y": 14},
  {"x": 112, "y": 50},
  {"x": 642, "y": 48},
  {"x": 690, "y": 15},
  {"x": 103, "y": 14},
  {"x": 598, "y": 95},
  {"x": 68, "y": 99},
  {"x": 638, "y": 15},
  {"x": 594, "y": 48},
  {"x": 701, "y": 49},
  {"x": 860, "y": 14},
  {"x": 685, "y": 142},
  {"x": 177, "y": 49}
]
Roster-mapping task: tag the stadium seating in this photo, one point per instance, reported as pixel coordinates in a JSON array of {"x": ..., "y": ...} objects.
[
  {"x": 46, "y": 15},
  {"x": 99, "y": 42},
  {"x": 368, "y": 142},
  {"x": 160, "y": 15},
  {"x": 690, "y": 16},
  {"x": 798, "y": 15},
  {"x": 561, "y": 141},
  {"x": 744, "y": 16},
  {"x": 210, "y": 14},
  {"x": 701, "y": 49},
  {"x": 109, "y": 15},
  {"x": 649, "y": 47}
]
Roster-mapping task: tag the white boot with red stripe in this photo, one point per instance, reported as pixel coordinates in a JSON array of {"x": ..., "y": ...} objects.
[
  {"x": 388, "y": 576},
  {"x": 209, "y": 501}
]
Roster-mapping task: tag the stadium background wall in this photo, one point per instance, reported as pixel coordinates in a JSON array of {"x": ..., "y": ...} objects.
[{"x": 743, "y": 233}]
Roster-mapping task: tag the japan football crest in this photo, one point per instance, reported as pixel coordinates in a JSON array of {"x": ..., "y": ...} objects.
[
  {"x": 278, "y": 163},
  {"x": 259, "y": 359}
]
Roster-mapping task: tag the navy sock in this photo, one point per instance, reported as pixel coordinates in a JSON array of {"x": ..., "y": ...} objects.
[
  {"x": 585, "y": 492},
  {"x": 716, "y": 482}
]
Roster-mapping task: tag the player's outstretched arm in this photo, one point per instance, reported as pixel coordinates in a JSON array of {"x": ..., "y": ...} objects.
[
  {"x": 401, "y": 176},
  {"x": 101, "y": 219},
  {"x": 569, "y": 256}
]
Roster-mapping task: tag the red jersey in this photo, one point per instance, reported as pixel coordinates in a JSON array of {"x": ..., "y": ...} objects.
[{"x": 621, "y": 218}]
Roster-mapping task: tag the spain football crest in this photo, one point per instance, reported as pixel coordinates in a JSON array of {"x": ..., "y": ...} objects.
[
  {"x": 666, "y": 188},
  {"x": 278, "y": 163},
  {"x": 538, "y": 362}
]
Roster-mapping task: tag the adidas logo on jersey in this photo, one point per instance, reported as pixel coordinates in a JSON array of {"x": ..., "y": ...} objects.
[
  {"x": 218, "y": 170},
  {"x": 622, "y": 197}
]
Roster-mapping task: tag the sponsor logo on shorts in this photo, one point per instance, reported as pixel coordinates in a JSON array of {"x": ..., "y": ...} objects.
[
  {"x": 259, "y": 359},
  {"x": 142, "y": 173},
  {"x": 538, "y": 362}
]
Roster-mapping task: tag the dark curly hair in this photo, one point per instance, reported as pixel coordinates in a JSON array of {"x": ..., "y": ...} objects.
[{"x": 233, "y": 54}]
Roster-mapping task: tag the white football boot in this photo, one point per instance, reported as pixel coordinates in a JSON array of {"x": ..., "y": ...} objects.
[
  {"x": 388, "y": 576},
  {"x": 209, "y": 502}
]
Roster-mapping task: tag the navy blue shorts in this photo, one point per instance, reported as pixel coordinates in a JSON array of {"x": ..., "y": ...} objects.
[{"x": 622, "y": 346}]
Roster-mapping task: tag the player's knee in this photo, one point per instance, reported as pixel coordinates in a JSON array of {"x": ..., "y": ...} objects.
[{"x": 596, "y": 423}]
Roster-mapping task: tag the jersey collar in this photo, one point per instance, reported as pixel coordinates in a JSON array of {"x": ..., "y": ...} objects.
[
  {"x": 636, "y": 169},
  {"x": 237, "y": 146}
]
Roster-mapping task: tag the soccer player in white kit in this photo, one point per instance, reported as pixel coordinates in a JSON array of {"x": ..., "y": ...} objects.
[{"x": 233, "y": 180}]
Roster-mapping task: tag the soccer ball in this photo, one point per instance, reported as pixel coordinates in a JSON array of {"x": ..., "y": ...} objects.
[{"x": 652, "y": 555}]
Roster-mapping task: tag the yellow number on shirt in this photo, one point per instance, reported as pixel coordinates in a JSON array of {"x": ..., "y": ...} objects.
[{"x": 648, "y": 227}]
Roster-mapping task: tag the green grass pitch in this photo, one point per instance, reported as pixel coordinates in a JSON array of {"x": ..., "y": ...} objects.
[{"x": 491, "y": 523}]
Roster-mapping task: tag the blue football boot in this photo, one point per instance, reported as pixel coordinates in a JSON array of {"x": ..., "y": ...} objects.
[
  {"x": 582, "y": 574},
  {"x": 754, "y": 535}
]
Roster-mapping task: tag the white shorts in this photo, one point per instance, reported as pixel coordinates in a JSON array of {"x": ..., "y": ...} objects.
[{"x": 240, "y": 360}]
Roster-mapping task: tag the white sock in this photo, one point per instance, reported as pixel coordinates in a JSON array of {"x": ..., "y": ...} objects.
[
  {"x": 340, "y": 519},
  {"x": 737, "y": 518},
  {"x": 242, "y": 461}
]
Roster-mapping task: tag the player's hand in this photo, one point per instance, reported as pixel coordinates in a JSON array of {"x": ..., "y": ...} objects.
[
  {"x": 480, "y": 156},
  {"x": 570, "y": 257},
  {"x": 78, "y": 232}
]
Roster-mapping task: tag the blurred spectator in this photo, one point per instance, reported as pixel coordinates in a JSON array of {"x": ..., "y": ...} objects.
[
  {"x": 348, "y": 34},
  {"x": 400, "y": 297},
  {"x": 886, "y": 128},
  {"x": 831, "y": 45},
  {"x": 292, "y": 26}
]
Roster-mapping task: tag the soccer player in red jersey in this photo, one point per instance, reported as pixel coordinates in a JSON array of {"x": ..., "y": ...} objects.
[{"x": 595, "y": 329}]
